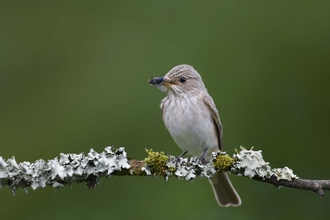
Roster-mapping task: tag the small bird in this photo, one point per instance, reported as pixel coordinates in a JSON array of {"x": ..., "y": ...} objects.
[{"x": 192, "y": 119}]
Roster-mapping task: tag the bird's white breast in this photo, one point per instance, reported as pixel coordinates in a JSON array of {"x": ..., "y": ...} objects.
[{"x": 189, "y": 122}]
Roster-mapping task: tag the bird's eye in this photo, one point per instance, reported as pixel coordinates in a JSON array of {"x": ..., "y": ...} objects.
[{"x": 183, "y": 79}]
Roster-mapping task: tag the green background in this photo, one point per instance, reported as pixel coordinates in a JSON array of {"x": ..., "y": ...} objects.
[{"x": 73, "y": 76}]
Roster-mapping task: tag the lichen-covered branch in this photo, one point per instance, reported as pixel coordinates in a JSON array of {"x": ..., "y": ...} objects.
[
  {"x": 77, "y": 168},
  {"x": 253, "y": 165}
]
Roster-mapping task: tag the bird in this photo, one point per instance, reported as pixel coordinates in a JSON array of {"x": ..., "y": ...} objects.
[{"x": 192, "y": 120}]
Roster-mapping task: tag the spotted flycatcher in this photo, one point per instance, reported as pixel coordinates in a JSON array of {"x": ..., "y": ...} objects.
[{"x": 192, "y": 120}]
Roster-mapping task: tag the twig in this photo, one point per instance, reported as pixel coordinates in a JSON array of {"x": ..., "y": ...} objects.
[{"x": 316, "y": 186}]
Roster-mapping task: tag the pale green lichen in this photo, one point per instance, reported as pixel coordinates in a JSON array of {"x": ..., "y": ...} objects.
[
  {"x": 65, "y": 170},
  {"x": 250, "y": 163},
  {"x": 284, "y": 173}
]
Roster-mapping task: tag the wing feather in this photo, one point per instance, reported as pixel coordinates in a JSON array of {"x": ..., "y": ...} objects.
[{"x": 215, "y": 117}]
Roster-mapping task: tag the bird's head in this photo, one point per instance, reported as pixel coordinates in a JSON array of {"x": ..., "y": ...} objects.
[{"x": 180, "y": 79}]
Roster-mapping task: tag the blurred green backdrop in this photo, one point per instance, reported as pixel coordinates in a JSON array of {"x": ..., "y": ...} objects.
[{"x": 73, "y": 76}]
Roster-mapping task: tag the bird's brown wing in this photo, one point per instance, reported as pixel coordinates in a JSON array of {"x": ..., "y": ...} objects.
[{"x": 215, "y": 118}]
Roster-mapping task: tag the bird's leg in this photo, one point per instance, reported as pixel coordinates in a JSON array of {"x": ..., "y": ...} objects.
[
  {"x": 202, "y": 158},
  {"x": 178, "y": 158}
]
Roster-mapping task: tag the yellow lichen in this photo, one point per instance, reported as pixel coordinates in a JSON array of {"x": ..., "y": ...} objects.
[
  {"x": 223, "y": 162},
  {"x": 157, "y": 161}
]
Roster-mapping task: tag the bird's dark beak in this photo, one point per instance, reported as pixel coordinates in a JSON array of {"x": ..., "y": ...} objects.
[
  {"x": 160, "y": 82},
  {"x": 156, "y": 80}
]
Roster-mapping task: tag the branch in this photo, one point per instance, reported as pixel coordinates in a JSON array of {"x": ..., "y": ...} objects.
[
  {"x": 77, "y": 168},
  {"x": 316, "y": 186}
]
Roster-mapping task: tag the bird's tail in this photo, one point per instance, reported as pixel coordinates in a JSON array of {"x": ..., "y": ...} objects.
[{"x": 224, "y": 191}]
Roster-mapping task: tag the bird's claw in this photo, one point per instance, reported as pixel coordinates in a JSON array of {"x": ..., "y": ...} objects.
[{"x": 178, "y": 158}]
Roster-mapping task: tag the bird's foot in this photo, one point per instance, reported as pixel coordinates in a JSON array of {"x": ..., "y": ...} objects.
[
  {"x": 178, "y": 158},
  {"x": 202, "y": 158}
]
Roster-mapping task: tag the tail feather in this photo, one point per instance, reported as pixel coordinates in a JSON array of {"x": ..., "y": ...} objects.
[{"x": 224, "y": 191}]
